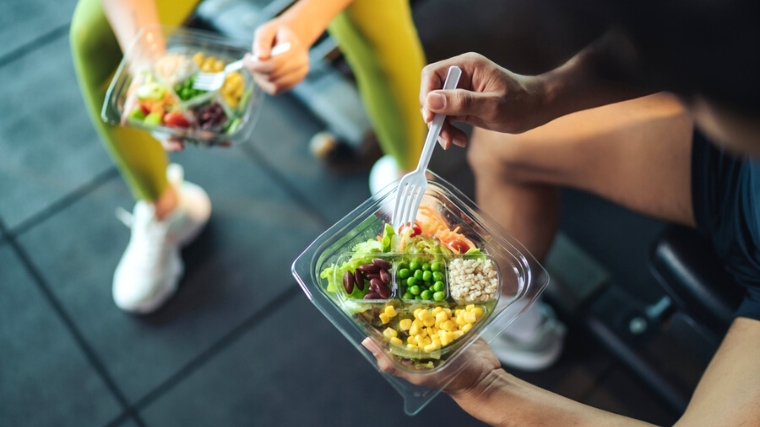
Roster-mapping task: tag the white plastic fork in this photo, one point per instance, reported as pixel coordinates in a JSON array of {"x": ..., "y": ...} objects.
[
  {"x": 412, "y": 186},
  {"x": 214, "y": 81}
]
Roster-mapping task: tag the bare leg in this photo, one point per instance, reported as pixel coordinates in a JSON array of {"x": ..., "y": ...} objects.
[{"x": 635, "y": 153}]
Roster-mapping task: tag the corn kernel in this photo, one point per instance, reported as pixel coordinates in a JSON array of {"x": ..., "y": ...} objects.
[
  {"x": 414, "y": 329},
  {"x": 457, "y": 334},
  {"x": 437, "y": 310},
  {"x": 449, "y": 326},
  {"x": 430, "y": 348},
  {"x": 478, "y": 311},
  {"x": 470, "y": 317},
  {"x": 396, "y": 341},
  {"x": 460, "y": 320},
  {"x": 390, "y": 311},
  {"x": 411, "y": 346},
  {"x": 208, "y": 65},
  {"x": 416, "y": 311},
  {"x": 218, "y": 65},
  {"x": 466, "y": 327},
  {"x": 198, "y": 58},
  {"x": 389, "y": 333},
  {"x": 384, "y": 318},
  {"x": 405, "y": 324},
  {"x": 441, "y": 316},
  {"x": 430, "y": 321},
  {"x": 469, "y": 307}
]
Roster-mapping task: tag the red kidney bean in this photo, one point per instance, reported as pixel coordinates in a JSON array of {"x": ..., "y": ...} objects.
[
  {"x": 372, "y": 295},
  {"x": 368, "y": 268},
  {"x": 359, "y": 278},
  {"x": 383, "y": 290},
  {"x": 381, "y": 263},
  {"x": 348, "y": 282},
  {"x": 385, "y": 277},
  {"x": 373, "y": 286},
  {"x": 371, "y": 276}
]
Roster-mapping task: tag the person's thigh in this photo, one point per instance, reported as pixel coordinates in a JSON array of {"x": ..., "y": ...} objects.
[{"x": 635, "y": 153}]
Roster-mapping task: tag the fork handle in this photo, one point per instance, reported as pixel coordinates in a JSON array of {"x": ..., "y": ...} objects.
[
  {"x": 452, "y": 79},
  {"x": 277, "y": 50}
]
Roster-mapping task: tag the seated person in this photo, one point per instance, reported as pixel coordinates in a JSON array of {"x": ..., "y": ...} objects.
[
  {"x": 169, "y": 212},
  {"x": 644, "y": 154}
]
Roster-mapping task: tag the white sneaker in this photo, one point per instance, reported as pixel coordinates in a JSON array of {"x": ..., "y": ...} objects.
[
  {"x": 384, "y": 172},
  {"x": 150, "y": 269},
  {"x": 532, "y": 350}
]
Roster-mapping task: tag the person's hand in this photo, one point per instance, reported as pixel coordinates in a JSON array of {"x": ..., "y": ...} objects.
[
  {"x": 488, "y": 96},
  {"x": 476, "y": 364},
  {"x": 279, "y": 73}
]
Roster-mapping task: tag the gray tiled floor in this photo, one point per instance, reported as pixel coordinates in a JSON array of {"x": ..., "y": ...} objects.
[{"x": 239, "y": 344}]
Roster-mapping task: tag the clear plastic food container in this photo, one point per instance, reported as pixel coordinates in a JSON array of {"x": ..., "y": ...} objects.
[
  {"x": 422, "y": 293},
  {"x": 153, "y": 88}
]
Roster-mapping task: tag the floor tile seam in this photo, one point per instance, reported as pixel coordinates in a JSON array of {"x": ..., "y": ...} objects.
[
  {"x": 35, "y": 44},
  {"x": 217, "y": 347},
  {"x": 62, "y": 203},
  {"x": 79, "y": 339},
  {"x": 258, "y": 157}
]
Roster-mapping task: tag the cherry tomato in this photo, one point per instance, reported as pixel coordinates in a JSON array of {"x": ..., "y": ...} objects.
[
  {"x": 459, "y": 246},
  {"x": 176, "y": 119},
  {"x": 145, "y": 107},
  {"x": 416, "y": 230}
]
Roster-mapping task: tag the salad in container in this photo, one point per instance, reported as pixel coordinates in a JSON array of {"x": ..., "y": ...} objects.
[
  {"x": 153, "y": 88},
  {"x": 423, "y": 293}
]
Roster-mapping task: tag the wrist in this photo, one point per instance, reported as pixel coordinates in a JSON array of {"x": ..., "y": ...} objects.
[{"x": 479, "y": 400}]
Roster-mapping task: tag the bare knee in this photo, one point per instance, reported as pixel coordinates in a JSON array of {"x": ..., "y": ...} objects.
[{"x": 493, "y": 155}]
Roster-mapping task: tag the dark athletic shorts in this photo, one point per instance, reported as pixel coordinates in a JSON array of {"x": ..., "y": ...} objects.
[{"x": 726, "y": 200}]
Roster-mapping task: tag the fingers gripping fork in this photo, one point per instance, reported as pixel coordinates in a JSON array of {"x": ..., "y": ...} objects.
[{"x": 412, "y": 186}]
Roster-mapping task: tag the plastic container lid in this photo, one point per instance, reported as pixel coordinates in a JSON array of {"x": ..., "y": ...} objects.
[
  {"x": 487, "y": 287},
  {"x": 156, "y": 75}
]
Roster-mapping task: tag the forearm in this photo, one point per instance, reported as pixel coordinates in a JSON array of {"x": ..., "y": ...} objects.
[
  {"x": 127, "y": 17},
  {"x": 586, "y": 80},
  {"x": 503, "y": 400},
  {"x": 311, "y": 17}
]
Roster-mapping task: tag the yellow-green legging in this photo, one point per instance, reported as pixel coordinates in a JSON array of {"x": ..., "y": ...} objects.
[{"x": 378, "y": 39}]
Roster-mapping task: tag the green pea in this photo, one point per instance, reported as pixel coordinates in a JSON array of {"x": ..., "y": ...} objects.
[
  {"x": 411, "y": 281},
  {"x": 403, "y": 273},
  {"x": 414, "y": 265},
  {"x": 427, "y": 275},
  {"x": 402, "y": 264},
  {"x": 437, "y": 276},
  {"x": 439, "y": 296},
  {"x": 436, "y": 266},
  {"x": 438, "y": 286},
  {"x": 414, "y": 290},
  {"x": 426, "y": 266},
  {"x": 408, "y": 295},
  {"x": 418, "y": 274},
  {"x": 426, "y": 294}
]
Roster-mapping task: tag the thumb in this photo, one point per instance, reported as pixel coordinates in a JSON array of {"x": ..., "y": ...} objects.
[{"x": 455, "y": 102}]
